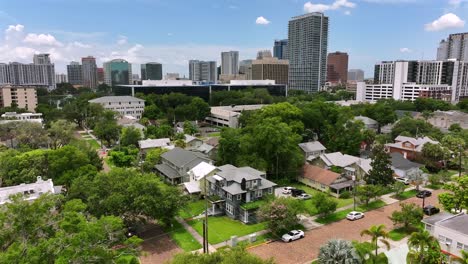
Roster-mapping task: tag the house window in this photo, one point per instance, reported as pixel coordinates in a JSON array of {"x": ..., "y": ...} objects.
[
  {"x": 270, "y": 190},
  {"x": 459, "y": 245},
  {"x": 229, "y": 208},
  {"x": 429, "y": 228},
  {"x": 322, "y": 186},
  {"x": 229, "y": 196},
  {"x": 239, "y": 197},
  {"x": 258, "y": 193}
]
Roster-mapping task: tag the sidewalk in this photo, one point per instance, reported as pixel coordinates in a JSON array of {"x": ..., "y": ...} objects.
[{"x": 194, "y": 234}]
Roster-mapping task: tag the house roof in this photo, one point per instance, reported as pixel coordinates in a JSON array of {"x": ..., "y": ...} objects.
[
  {"x": 189, "y": 138},
  {"x": 192, "y": 187},
  {"x": 214, "y": 141},
  {"x": 234, "y": 189},
  {"x": 319, "y": 175},
  {"x": 114, "y": 99},
  {"x": 312, "y": 146},
  {"x": 179, "y": 157},
  {"x": 201, "y": 170},
  {"x": 365, "y": 164},
  {"x": 234, "y": 176},
  {"x": 167, "y": 171},
  {"x": 366, "y": 120},
  {"x": 154, "y": 143},
  {"x": 457, "y": 222},
  {"x": 205, "y": 148},
  {"x": 338, "y": 159},
  {"x": 417, "y": 142},
  {"x": 399, "y": 162},
  {"x": 431, "y": 220}
]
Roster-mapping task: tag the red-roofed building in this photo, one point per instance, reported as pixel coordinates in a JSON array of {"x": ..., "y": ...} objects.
[{"x": 325, "y": 180}]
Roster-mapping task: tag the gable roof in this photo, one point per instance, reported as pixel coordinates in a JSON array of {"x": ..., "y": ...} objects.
[
  {"x": 312, "y": 146},
  {"x": 189, "y": 138},
  {"x": 458, "y": 222},
  {"x": 338, "y": 159},
  {"x": 201, "y": 170},
  {"x": 154, "y": 143},
  {"x": 205, "y": 148},
  {"x": 417, "y": 142},
  {"x": 179, "y": 157},
  {"x": 214, "y": 141},
  {"x": 366, "y": 120},
  {"x": 319, "y": 175},
  {"x": 399, "y": 162}
]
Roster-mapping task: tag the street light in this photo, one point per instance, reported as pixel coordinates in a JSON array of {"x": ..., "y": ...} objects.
[
  {"x": 354, "y": 191},
  {"x": 460, "y": 160}
]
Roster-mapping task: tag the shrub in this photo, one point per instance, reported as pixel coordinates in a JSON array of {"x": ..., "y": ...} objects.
[{"x": 345, "y": 195}]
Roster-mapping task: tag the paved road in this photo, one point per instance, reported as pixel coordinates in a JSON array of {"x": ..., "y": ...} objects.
[{"x": 306, "y": 249}]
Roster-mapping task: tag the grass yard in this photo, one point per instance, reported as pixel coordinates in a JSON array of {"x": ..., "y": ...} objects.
[
  {"x": 222, "y": 228},
  {"x": 182, "y": 237},
  {"x": 406, "y": 195},
  {"x": 398, "y": 234},
  {"x": 94, "y": 143},
  {"x": 342, "y": 214},
  {"x": 193, "y": 208}
]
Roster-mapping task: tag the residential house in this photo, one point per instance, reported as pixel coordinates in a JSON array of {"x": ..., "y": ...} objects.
[
  {"x": 312, "y": 150},
  {"x": 369, "y": 123},
  {"x": 149, "y": 144},
  {"x": 444, "y": 119},
  {"x": 325, "y": 180},
  {"x": 21, "y": 117},
  {"x": 405, "y": 168},
  {"x": 30, "y": 191},
  {"x": 176, "y": 163},
  {"x": 238, "y": 192},
  {"x": 344, "y": 163},
  {"x": 197, "y": 176},
  {"x": 451, "y": 231},
  {"x": 180, "y": 126},
  {"x": 130, "y": 121},
  {"x": 409, "y": 147},
  {"x": 208, "y": 150},
  {"x": 192, "y": 142}
]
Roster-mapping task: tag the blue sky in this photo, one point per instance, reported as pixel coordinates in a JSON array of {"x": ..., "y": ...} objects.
[{"x": 174, "y": 31}]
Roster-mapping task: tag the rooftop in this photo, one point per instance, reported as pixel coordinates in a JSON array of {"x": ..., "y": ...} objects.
[
  {"x": 338, "y": 159},
  {"x": 201, "y": 170},
  {"x": 154, "y": 143},
  {"x": 114, "y": 99},
  {"x": 399, "y": 162},
  {"x": 312, "y": 146},
  {"x": 457, "y": 222},
  {"x": 31, "y": 191},
  {"x": 179, "y": 157},
  {"x": 319, "y": 175}
]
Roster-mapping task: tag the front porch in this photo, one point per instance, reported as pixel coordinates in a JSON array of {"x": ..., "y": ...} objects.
[{"x": 338, "y": 188}]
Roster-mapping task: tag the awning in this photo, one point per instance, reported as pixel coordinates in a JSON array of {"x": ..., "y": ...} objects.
[
  {"x": 341, "y": 185},
  {"x": 192, "y": 187}
]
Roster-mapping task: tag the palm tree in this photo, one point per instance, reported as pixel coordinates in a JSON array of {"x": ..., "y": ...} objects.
[
  {"x": 365, "y": 251},
  {"x": 463, "y": 259},
  {"x": 338, "y": 251},
  {"x": 424, "y": 248},
  {"x": 376, "y": 232}
]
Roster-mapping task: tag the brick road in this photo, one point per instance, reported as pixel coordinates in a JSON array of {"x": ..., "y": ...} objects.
[{"x": 305, "y": 250}]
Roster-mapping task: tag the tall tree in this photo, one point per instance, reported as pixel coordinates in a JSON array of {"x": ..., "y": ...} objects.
[
  {"x": 381, "y": 172},
  {"x": 457, "y": 197},
  {"x": 377, "y": 233},
  {"x": 61, "y": 133},
  {"x": 228, "y": 256},
  {"x": 381, "y": 112},
  {"x": 106, "y": 128},
  {"x": 130, "y": 136},
  {"x": 229, "y": 146},
  {"x": 424, "y": 248},
  {"x": 338, "y": 251},
  {"x": 280, "y": 214},
  {"x": 410, "y": 215}
]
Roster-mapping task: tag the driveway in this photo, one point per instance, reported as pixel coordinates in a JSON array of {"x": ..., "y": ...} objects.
[{"x": 305, "y": 250}]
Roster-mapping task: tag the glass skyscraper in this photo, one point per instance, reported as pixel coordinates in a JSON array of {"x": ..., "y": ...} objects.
[
  {"x": 151, "y": 71},
  {"x": 280, "y": 49},
  {"x": 117, "y": 72}
]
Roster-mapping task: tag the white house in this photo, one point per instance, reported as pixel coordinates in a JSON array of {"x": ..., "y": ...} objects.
[
  {"x": 124, "y": 105},
  {"x": 197, "y": 177},
  {"x": 21, "y": 117},
  {"x": 31, "y": 191},
  {"x": 149, "y": 144},
  {"x": 312, "y": 149}
]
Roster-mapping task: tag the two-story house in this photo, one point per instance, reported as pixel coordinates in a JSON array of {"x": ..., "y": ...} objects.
[
  {"x": 344, "y": 164},
  {"x": 451, "y": 231},
  {"x": 238, "y": 191},
  {"x": 176, "y": 163},
  {"x": 197, "y": 178},
  {"x": 312, "y": 149},
  {"x": 405, "y": 168},
  {"x": 409, "y": 147},
  {"x": 192, "y": 142}
]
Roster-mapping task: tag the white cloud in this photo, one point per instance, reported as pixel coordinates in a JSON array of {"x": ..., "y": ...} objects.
[
  {"x": 309, "y": 7},
  {"x": 14, "y": 31},
  {"x": 122, "y": 40},
  {"x": 41, "y": 39},
  {"x": 446, "y": 21},
  {"x": 80, "y": 45},
  {"x": 391, "y": 1},
  {"x": 262, "y": 21},
  {"x": 405, "y": 50},
  {"x": 347, "y": 12}
]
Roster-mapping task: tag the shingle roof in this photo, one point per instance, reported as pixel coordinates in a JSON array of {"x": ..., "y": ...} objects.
[
  {"x": 319, "y": 175},
  {"x": 312, "y": 146},
  {"x": 205, "y": 148},
  {"x": 458, "y": 223},
  {"x": 338, "y": 159},
  {"x": 399, "y": 162},
  {"x": 179, "y": 157},
  {"x": 168, "y": 171},
  {"x": 436, "y": 218},
  {"x": 417, "y": 142},
  {"x": 112, "y": 99},
  {"x": 154, "y": 143},
  {"x": 189, "y": 138},
  {"x": 201, "y": 170},
  {"x": 366, "y": 120},
  {"x": 214, "y": 141}
]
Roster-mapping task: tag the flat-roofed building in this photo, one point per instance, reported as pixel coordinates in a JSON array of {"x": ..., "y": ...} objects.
[
  {"x": 124, "y": 105},
  {"x": 270, "y": 68},
  {"x": 19, "y": 96},
  {"x": 229, "y": 115},
  {"x": 30, "y": 191}
]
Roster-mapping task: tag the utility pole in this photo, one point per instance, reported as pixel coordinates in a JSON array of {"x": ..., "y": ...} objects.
[
  {"x": 460, "y": 161},
  {"x": 205, "y": 221},
  {"x": 354, "y": 191}
]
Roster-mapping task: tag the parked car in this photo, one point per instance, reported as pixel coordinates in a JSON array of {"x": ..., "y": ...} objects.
[
  {"x": 304, "y": 196},
  {"x": 297, "y": 192},
  {"x": 431, "y": 210},
  {"x": 354, "y": 215},
  {"x": 424, "y": 194},
  {"x": 287, "y": 190},
  {"x": 403, "y": 180},
  {"x": 292, "y": 235},
  {"x": 131, "y": 231}
]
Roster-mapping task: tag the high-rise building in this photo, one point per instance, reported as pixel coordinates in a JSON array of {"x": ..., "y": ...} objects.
[
  {"x": 230, "y": 62},
  {"x": 23, "y": 96},
  {"x": 75, "y": 73},
  {"x": 270, "y": 69},
  {"x": 202, "y": 71},
  {"x": 100, "y": 75},
  {"x": 151, "y": 71},
  {"x": 356, "y": 75},
  {"x": 40, "y": 73},
  {"x": 89, "y": 72},
  {"x": 307, "y": 48},
  {"x": 408, "y": 80},
  {"x": 61, "y": 78},
  {"x": 117, "y": 71},
  {"x": 337, "y": 67},
  {"x": 455, "y": 47},
  {"x": 280, "y": 49},
  {"x": 263, "y": 54},
  {"x": 245, "y": 68}
]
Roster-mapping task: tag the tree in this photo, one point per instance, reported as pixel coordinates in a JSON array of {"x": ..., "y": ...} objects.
[
  {"x": 152, "y": 112},
  {"x": 457, "y": 197},
  {"x": 280, "y": 214},
  {"x": 398, "y": 188},
  {"x": 338, "y": 251},
  {"x": 376, "y": 232},
  {"x": 130, "y": 136},
  {"x": 410, "y": 215},
  {"x": 463, "y": 259},
  {"x": 229, "y": 146},
  {"x": 367, "y": 192},
  {"x": 225, "y": 256},
  {"x": 427, "y": 114},
  {"x": 27, "y": 134},
  {"x": 381, "y": 172},
  {"x": 455, "y": 128},
  {"x": 126, "y": 157},
  {"x": 152, "y": 158},
  {"x": 61, "y": 133},
  {"x": 324, "y": 204},
  {"x": 434, "y": 154},
  {"x": 104, "y": 89},
  {"x": 415, "y": 128},
  {"x": 107, "y": 128},
  {"x": 381, "y": 112},
  {"x": 365, "y": 250},
  {"x": 190, "y": 128},
  {"x": 424, "y": 248}
]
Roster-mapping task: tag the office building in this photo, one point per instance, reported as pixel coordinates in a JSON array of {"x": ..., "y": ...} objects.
[
  {"x": 280, "y": 49},
  {"x": 263, "y": 54},
  {"x": 151, "y": 71},
  {"x": 245, "y": 68},
  {"x": 41, "y": 73},
  {"x": 408, "y": 80},
  {"x": 61, "y": 78},
  {"x": 230, "y": 62},
  {"x": 75, "y": 73},
  {"x": 337, "y": 68},
  {"x": 202, "y": 71},
  {"x": 117, "y": 72},
  {"x": 307, "y": 49},
  {"x": 356, "y": 75},
  {"x": 454, "y": 47},
  {"x": 124, "y": 105},
  {"x": 19, "y": 95},
  {"x": 89, "y": 75},
  {"x": 270, "y": 69},
  {"x": 100, "y": 75}
]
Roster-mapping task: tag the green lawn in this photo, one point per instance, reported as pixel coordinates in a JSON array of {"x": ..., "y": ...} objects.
[
  {"x": 406, "y": 195},
  {"x": 193, "y": 208},
  {"x": 222, "y": 228},
  {"x": 94, "y": 143},
  {"x": 311, "y": 210},
  {"x": 342, "y": 214},
  {"x": 398, "y": 234},
  {"x": 434, "y": 186},
  {"x": 181, "y": 237}
]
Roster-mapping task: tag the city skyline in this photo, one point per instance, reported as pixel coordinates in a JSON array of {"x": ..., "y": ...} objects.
[{"x": 353, "y": 29}]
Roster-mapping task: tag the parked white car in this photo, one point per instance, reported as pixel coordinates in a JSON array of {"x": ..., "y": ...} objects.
[
  {"x": 403, "y": 180},
  {"x": 293, "y": 235},
  {"x": 287, "y": 190},
  {"x": 354, "y": 215},
  {"x": 303, "y": 196}
]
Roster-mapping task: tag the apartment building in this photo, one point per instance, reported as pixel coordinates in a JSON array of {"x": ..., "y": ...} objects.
[
  {"x": 124, "y": 105},
  {"x": 19, "y": 96}
]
